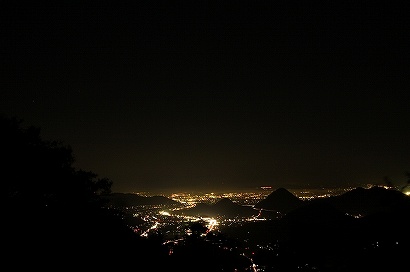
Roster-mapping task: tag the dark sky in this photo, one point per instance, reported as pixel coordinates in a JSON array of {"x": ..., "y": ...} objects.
[{"x": 215, "y": 94}]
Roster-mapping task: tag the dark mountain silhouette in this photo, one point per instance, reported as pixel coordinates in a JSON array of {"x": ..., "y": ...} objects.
[
  {"x": 361, "y": 201},
  {"x": 319, "y": 235},
  {"x": 314, "y": 215},
  {"x": 224, "y": 207},
  {"x": 314, "y": 218},
  {"x": 130, "y": 199},
  {"x": 280, "y": 200}
]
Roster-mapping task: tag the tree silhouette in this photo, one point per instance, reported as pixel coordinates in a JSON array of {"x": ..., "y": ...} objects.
[
  {"x": 55, "y": 212},
  {"x": 41, "y": 172}
]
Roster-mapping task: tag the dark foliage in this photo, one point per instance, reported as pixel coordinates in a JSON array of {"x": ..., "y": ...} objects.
[{"x": 40, "y": 173}]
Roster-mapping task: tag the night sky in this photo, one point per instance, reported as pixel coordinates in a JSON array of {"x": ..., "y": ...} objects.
[{"x": 215, "y": 95}]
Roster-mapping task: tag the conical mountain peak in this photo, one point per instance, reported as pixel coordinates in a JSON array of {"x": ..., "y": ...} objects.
[{"x": 280, "y": 200}]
